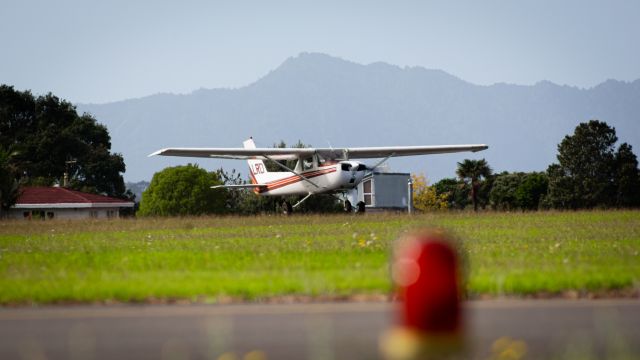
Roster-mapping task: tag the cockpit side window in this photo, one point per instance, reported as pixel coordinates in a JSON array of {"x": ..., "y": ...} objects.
[
  {"x": 321, "y": 160},
  {"x": 307, "y": 163}
]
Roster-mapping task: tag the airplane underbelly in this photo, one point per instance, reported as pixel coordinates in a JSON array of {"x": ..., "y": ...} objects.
[
  {"x": 292, "y": 189},
  {"x": 317, "y": 181}
]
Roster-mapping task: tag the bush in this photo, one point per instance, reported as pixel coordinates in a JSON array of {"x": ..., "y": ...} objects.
[{"x": 183, "y": 190}]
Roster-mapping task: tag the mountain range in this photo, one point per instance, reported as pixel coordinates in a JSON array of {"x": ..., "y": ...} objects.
[{"x": 326, "y": 101}]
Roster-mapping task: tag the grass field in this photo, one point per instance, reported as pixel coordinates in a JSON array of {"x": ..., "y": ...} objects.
[{"x": 252, "y": 258}]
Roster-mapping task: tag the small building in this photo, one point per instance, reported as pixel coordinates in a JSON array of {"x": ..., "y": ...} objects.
[
  {"x": 39, "y": 202},
  {"x": 384, "y": 191}
]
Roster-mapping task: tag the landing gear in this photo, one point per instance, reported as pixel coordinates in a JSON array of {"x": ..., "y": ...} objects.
[
  {"x": 287, "y": 209},
  {"x": 347, "y": 207},
  {"x": 303, "y": 199},
  {"x": 361, "y": 207}
]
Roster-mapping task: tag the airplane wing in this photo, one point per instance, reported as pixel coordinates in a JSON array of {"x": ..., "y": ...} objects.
[
  {"x": 395, "y": 151},
  {"x": 328, "y": 153},
  {"x": 238, "y": 153}
]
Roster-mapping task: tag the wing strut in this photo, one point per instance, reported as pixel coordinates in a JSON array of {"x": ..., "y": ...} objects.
[
  {"x": 372, "y": 168},
  {"x": 302, "y": 200},
  {"x": 294, "y": 173},
  {"x": 383, "y": 160}
]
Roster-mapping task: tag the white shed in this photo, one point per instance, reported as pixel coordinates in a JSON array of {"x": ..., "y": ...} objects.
[{"x": 384, "y": 191}]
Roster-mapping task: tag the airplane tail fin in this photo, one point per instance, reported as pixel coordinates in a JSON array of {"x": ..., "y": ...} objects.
[{"x": 257, "y": 169}]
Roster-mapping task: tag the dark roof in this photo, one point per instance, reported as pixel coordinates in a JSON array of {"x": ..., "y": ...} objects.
[
  {"x": 60, "y": 195},
  {"x": 389, "y": 173},
  {"x": 369, "y": 175}
]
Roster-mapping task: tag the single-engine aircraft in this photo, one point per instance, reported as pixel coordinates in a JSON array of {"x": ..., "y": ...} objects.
[{"x": 318, "y": 170}]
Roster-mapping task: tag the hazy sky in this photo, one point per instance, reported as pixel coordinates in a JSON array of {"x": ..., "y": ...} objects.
[{"x": 100, "y": 51}]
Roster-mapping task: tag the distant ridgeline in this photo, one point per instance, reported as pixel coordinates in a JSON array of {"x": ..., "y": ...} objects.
[
  {"x": 543, "y": 148},
  {"x": 137, "y": 188},
  {"x": 325, "y": 101}
]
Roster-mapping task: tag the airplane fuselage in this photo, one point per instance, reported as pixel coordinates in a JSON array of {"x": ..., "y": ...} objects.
[{"x": 340, "y": 176}]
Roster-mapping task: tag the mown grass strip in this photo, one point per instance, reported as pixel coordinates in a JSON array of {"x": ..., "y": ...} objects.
[{"x": 257, "y": 257}]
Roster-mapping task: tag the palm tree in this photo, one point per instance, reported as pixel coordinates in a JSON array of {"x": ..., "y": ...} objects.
[{"x": 473, "y": 172}]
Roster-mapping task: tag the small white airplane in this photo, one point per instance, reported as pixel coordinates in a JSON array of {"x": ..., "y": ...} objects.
[{"x": 318, "y": 170}]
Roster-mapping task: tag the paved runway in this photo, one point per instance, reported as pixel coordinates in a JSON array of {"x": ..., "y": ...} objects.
[{"x": 530, "y": 329}]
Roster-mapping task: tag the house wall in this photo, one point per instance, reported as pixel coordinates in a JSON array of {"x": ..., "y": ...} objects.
[{"x": 76, "y": 213}]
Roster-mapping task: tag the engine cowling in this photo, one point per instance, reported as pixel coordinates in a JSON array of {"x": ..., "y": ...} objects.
[{"x": 352, "y": 173}]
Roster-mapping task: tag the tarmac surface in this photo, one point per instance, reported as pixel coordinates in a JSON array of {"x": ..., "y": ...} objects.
[{"x": 505, "y": 329}]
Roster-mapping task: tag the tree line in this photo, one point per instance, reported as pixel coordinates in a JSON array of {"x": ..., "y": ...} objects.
[
  {"x": 43, "y": 137},
  {"x": 590, "y": 173}
]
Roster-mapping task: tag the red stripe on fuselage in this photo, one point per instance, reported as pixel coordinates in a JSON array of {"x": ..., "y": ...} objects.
[{"x": 294, "y": 179}]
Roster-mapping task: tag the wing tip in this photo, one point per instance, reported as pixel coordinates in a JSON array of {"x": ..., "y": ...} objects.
[
  {"x": 481, "y": 147},
  {"x": 159, "y": 152}
]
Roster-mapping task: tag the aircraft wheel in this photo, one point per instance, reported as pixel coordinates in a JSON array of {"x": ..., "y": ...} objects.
[
  {"x": 287, "y": 209},
  {"x": 347, "y": 206}
]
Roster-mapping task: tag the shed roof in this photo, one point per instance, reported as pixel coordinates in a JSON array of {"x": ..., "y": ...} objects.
[{"x": 59, "y": 197}]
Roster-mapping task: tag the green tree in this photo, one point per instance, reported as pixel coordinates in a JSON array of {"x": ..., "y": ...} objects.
[
  {"x": 503, "y": 195},
  {"x": 560, "y": 194},
  {"x": 456, "y": 191},
  {"x": 627, "y": 177},
  {"x": 531, "y": 191},
  {"x": 519, "y": 190},
  {"x": 46, "y": 133},
  {"x": 183, "y": 190},
  {"x": 474, "y": 172},
  {"x": 590, "y": 172},
  {"x": 588, "y": 157},
  {"x": 235, "y": 198},
  {"x": 9, "y": 186},
  {"x": 485, "y": 190},
  {"x": 425, "y": 197}
]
